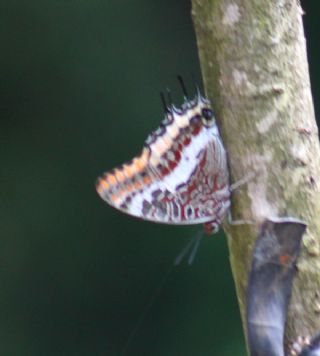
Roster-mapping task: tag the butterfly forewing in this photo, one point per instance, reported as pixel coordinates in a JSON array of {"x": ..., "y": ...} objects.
[{"x": 180, "y": 177}]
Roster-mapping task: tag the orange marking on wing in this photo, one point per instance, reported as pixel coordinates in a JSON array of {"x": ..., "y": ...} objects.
[
  {"x": 121, "y": 193},
  {"x": 137, "y": 185},
  {"x": 118, "y": 196},
  {"x": 147, "y": 180},
  {"x": 103, "y": 184},
  {"x": 128, "y": 171},
  {"x": 139, "y": 163},
  {"x": 99, "y": 188},
  {"x": 129, "y": 188},
  {"x": 114, "y": 198},
  {"x": 120, "y": 175},
  {"x": 145, "y": 154},
  {"x": 111, "y": 179}
]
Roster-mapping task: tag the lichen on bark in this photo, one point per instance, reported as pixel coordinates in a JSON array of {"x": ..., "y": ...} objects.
[{"x": 255, "y": 72}]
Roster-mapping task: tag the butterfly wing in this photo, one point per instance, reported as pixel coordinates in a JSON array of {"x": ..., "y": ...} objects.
[{"x": 181, "y": 176}]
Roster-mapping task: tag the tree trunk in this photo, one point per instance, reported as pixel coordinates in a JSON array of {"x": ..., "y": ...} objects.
[{"x": 255, "y": 71}]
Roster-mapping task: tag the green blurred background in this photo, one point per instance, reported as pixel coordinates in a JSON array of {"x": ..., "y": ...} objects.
[{"x": 80, "y": 84}]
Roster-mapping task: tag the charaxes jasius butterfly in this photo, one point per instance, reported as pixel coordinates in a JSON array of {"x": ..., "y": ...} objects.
[{"x": 181, "y": 176}]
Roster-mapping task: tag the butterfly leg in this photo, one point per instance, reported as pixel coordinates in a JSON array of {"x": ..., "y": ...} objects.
[
  {"x": 238, "y": 222},
  {"x": 244, "y": 180}
]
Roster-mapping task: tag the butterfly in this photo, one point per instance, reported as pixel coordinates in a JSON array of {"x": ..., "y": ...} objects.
[{"x": 181, "y": 175}]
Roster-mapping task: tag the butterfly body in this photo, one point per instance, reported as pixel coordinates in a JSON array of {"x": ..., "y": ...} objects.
[{"x": 181, "y": 176}]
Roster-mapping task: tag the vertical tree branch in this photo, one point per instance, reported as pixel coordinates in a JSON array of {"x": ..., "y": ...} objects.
[{"x": 255, "y": 71}]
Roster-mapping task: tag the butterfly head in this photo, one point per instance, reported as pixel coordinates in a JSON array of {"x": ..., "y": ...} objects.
[{"x": 211, "y": 227}]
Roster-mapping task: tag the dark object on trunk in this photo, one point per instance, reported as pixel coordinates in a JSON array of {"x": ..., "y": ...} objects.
[
  {"x": 270, "y": 282},
  {"x": 313, "y": 349}
]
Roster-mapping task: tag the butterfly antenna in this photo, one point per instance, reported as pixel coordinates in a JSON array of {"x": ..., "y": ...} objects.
[
  {"x": 145, "y": 311},
  {"x": 184, "y": 251},
  {"x": 194, "y": 251},
  {"x": 196, "y": 87},
  {"x": 183, "y": 87},
  {"x": 192, "y": 246},
  {"x": 244, "y": 180}
]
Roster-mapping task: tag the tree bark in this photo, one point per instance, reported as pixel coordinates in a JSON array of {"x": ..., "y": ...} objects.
[{"x": 255, "y": 72}]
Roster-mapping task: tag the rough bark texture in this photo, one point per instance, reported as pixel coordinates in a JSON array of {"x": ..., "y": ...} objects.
[{"x": 255, "y": 71}]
